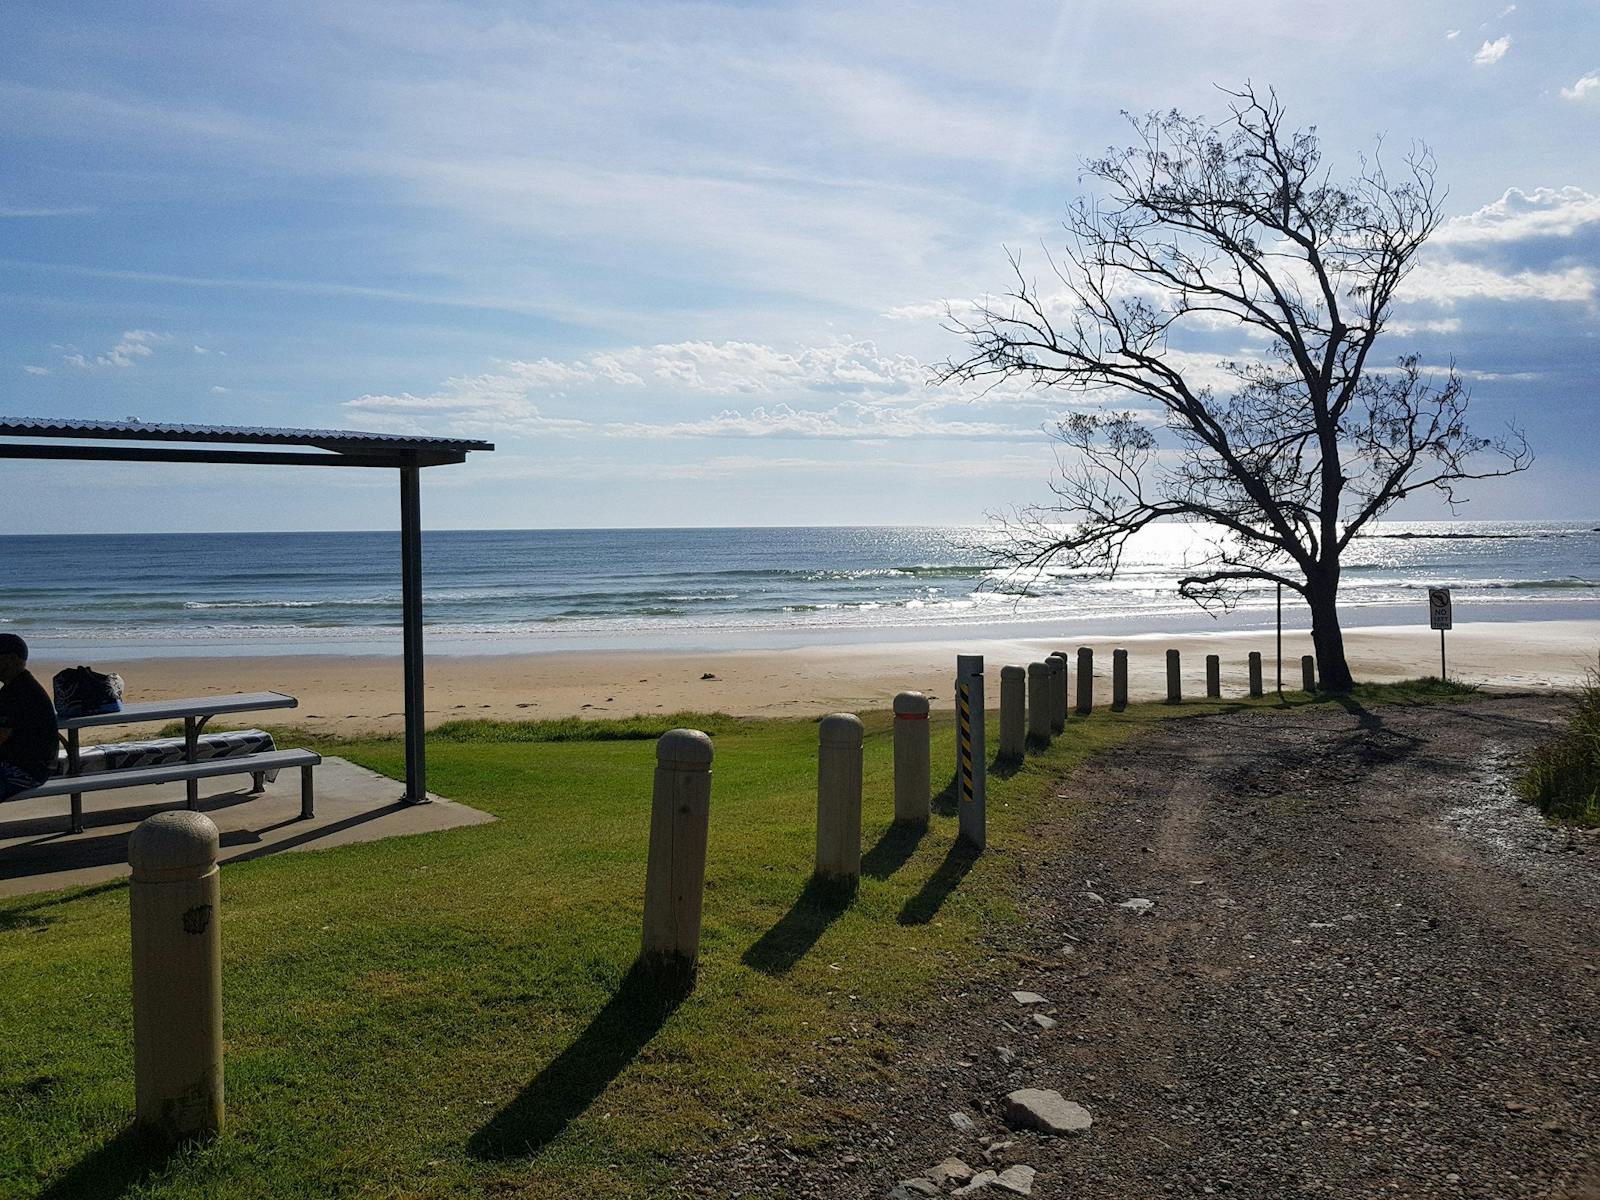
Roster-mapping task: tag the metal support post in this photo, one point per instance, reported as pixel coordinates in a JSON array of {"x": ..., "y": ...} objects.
[{"x": 411, "y": 621}]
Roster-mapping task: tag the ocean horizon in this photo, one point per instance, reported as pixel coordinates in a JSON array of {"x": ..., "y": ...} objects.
[{"x": 499, "y": 591}]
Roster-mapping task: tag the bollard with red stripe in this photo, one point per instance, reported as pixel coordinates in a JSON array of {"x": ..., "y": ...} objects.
[{"x": 913, "y": 771}]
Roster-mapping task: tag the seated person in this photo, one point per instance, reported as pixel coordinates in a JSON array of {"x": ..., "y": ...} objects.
[{"x": 27, "y": 722}]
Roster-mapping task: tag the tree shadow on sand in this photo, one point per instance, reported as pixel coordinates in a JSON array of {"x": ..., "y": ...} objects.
[{"x": 570, "y": 1083}]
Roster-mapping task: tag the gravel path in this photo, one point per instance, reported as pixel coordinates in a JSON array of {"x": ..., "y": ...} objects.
[{"x": 1367, "y": 972}]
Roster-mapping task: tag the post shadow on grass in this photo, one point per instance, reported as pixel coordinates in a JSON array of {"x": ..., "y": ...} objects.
[
  {"x": 947, "y": 802},
  {"x": 891, "y": 852},
  {"x": 115, "y": 1168},
  {"x": 925, "y": 905},
  {"x": 570, "y": 1083},
  {"x": 818, "y": 906},
  {"x": 1004, "y": 766},
  {"x": 26, "y": 916}
]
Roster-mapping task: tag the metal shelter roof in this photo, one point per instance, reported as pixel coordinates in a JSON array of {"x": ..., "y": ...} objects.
[
  {"x": 328, "y": 447},
  {"x": 57, "y": 438}
]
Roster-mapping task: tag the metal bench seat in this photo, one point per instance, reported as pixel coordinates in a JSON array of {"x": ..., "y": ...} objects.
[
  {"x": 161, "y": 752},
  {"x": 249, "y": 764}
]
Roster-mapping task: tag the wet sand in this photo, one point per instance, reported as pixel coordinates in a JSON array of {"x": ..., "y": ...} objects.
[{"x": 354, "y": 695}]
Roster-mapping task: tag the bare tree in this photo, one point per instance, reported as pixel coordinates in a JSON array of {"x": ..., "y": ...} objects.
[{"x": 1287, "y": 455}]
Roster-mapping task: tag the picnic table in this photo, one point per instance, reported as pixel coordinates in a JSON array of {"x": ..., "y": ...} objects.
[{"x": 194, "y": 712}]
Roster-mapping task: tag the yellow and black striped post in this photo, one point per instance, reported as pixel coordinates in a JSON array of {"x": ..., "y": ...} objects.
[{"x": 971, "y": 761}]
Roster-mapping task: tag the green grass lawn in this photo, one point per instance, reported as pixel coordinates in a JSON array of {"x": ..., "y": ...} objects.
[{"x": 445, "y": 1014}]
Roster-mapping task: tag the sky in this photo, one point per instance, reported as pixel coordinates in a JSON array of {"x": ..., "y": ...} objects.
[{"x": 685, "y": 264}]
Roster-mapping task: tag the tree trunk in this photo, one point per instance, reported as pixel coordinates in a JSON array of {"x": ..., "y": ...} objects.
[{"x": 1333, "y": 673}]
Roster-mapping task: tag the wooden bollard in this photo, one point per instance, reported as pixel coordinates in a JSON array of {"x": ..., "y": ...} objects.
[
  {"x": 1013, "y": 717},
  {"x": 675, "y": 878},
  {"x": 1174, "y": 679},
  {"x": 1038, "y": 702},
  {"x": 1213, "y": 677},
  {"x": 913, "y": 766},
  {"x": 173, "y": 908},
  {"x": 1308, "y": 672},
  {"x": 839, "y": 800},
  {"x": 1119, "y": 679},
  {"x": 1057, "y": 663},
  {"x": 1255, "y": 673},
  {"x": 1085, "y": 680}
]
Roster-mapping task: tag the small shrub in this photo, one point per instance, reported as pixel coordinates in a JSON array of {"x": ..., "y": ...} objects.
[{"x": 1562, "y": 777}]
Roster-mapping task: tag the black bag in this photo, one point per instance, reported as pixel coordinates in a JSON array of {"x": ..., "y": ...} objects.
[{"x": 85, "y": 692}]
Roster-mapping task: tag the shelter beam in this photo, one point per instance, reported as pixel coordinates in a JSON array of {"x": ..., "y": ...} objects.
[{"x": 270, "y": 458}]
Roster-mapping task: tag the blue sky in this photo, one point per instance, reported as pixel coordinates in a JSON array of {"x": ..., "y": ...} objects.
[{"x": 684, "y": 262}]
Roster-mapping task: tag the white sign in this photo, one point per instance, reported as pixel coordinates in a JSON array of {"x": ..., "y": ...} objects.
[{"x": 1439, "y": 608}]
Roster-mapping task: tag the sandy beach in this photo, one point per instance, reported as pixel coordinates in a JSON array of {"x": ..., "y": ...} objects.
[{"x": 354, "y": 695}]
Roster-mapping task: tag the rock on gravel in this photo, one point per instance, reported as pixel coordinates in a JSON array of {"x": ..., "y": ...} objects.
[
  {"x": 1029, "y": 998},
  {"x": 1017, "y": 1180},
  {"x": 1138, "y": 906},
  {"x": 980, "y": 1181},
  {"x": 1047, "y": 1111},
  {"x": 963, "y": 1122},
  {"x": 914, "y": 1189},
  {"x": 951, "y": 1171}
]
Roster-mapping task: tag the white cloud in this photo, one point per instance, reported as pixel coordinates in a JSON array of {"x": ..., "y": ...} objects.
[
  {"x": 498, "y": 412},
  {"x": 1543, "y": 212},
  {"x": 219, "y": 390},
  {"x": 1408, "y": 328},
  {"x": 848, "y": 421},
  {"x": 1492, "y": 52},
  {"x": 1478, "y": 376},
  {"x": 723, "y": 368},
  {"x": 1586, "y": 88},
  {"x": 932, "y": 310},
  {"x": 1447, "y": 282},
  {"x": 134, "y": 345},
  {"x": 37, "y": 370},
  {"x": 1452, "y": 34},
  {"x": 1507, "y": 11},
  {"x": 868, "y": 395},
  {"x": 512, "y": 392}
]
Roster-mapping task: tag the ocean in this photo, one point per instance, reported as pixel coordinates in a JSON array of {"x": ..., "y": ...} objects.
[{"x": 486, "y": 592}]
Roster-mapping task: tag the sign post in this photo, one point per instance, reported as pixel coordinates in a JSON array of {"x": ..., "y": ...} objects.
[
  {"x": 1280, "y": 640},
  {"x": 971, "y": 763},
  {"x": 1439, "y": 618}
]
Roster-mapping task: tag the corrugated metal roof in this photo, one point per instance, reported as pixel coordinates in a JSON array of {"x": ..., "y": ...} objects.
[{"x": 156, "y": 431}]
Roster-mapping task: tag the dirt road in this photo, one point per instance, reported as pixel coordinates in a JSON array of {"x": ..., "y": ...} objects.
[{"x": 1367, "y": 972}]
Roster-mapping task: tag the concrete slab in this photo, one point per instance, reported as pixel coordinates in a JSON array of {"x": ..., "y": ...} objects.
[{"x": 354, "y": 804}]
